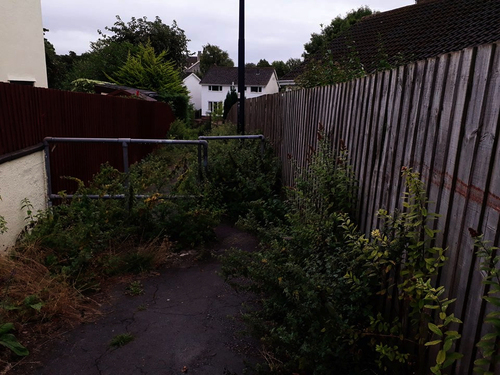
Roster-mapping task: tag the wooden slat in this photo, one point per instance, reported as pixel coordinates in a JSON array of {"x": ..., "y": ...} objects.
[{"x": 440, "y": 117}]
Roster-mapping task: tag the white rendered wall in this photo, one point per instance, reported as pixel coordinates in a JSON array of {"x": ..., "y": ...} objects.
[
  {"x": 192, "y": 83},
  {"x": 272, "y": 86},
  {"x": 219, "y": 96},
  {"x": 212, "y": 96},
  {"x": 19, "y": 179},
  {"x": 22, "y": 51}
]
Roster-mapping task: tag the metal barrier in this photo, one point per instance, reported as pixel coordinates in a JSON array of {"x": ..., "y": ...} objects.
[{"x": 202, "y": 159}]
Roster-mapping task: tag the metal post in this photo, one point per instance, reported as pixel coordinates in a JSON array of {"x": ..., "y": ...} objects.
[
  {"x": 200, "y": 169},
  {"x": 241, "y": 70},
  {"x": 47, "y": 171},
  {"x": 262, "y": 145},
  {"x": 125, "y": 156}
]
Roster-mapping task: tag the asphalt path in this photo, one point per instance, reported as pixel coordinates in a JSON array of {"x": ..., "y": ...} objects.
[{"x": 185, "y": 322}]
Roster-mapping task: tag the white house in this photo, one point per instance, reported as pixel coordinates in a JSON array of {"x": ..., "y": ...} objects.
[
  {"x": 21, "y": 43},
  {"x": 192, "y": 83},
  {"x": 22, "y": 61},
  {"x": 219, "y": 80}
]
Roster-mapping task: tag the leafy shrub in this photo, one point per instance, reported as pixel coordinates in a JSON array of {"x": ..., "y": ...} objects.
[
  {"x": 241, "y": 174},
  {"x": 307, "y": 310},
  {"x": 323, "y": 284}
]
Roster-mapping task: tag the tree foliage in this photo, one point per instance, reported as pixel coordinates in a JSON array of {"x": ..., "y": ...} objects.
[
  {"x": 324, "y": 69},
  {"x": 102, "y": 60},
  {"x": 213, "y": 55},
  {"x": 321, "y": 67},
  {"x": 283, "y": 68},
  {"x": 110, "y": 52},
  {"x": 319, "y": 42},
  {"x": 231, "y": 99},
  {"x": 147, "y": 70},
  {"x": 163, "y": 38},
  {"x": 263, "y": 63}
]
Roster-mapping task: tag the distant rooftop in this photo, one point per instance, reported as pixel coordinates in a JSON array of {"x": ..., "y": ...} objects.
[{"x": 221, "y": 75}]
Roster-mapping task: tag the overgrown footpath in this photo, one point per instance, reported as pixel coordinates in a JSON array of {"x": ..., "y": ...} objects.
[
  {"x": 330, "y": 299},
  {"x": 49, "y": 280}
]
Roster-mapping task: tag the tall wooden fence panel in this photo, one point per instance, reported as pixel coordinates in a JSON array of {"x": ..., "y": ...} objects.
[
  {"x": 29, "y": 114},
  {"x": 441, "y": 118}
]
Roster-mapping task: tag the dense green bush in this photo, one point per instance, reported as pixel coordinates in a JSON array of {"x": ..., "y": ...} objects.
[
  {"x": 322, "y": 284},
  {"x": 244, "y": 178},
  {"x": 85, "y": 237}
]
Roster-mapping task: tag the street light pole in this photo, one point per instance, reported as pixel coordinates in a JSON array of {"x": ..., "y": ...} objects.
[{"x": 241, "y": 70}]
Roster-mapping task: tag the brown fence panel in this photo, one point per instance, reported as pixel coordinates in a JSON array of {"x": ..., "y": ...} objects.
[
  {"x": 29, "y": 114},
  {"x": 441, "y": 118}
]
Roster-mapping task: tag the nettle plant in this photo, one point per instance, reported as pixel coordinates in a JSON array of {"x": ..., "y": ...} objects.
[{"x": 401, "y": 259}]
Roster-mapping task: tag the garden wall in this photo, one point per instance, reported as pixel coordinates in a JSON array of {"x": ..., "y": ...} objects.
[
  {"x": 21, "y": 178},
  {"x": 441, "y": 118}
]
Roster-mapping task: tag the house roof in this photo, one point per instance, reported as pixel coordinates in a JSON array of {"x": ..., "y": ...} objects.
[
  {"x": 191, "y": 60},
  {"x": 185, "y": 75},
  {"x": 221, "y": 75},
  {"x": 416, "y": 32},
  {"x": 110, "y": 87}
]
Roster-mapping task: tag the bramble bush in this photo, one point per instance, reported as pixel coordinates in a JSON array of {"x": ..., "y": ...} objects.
[
  {"x": 322, "y": 284},
  {"x": 244, "y": 179}
]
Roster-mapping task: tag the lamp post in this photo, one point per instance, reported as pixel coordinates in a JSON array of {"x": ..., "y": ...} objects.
[{"x": 241, "y": 70}]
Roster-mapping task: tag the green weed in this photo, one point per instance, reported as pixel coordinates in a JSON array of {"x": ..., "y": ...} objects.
[
  {"x": 121, "y": 340},
  {"x": 135, "y": 288}
]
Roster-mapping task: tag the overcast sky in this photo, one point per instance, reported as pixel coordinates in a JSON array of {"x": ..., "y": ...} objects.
[{"x": 275, "y": 29}]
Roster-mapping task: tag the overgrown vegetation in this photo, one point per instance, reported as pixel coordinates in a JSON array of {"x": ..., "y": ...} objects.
[
  {"x": 67, "y": 251},
  {"x": 489, "y": 343},
  {"x": 324, "y": 286},
  {"x": 329, "y": 296}
]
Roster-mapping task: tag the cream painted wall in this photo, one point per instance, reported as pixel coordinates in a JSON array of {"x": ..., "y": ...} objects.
[
  {"x": 19, "y": 179},
  {"x": 22, "y": 48}
]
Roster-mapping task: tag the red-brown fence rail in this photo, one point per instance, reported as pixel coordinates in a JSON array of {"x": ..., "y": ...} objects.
[
  {"x": 29, "y": 114},
  {"x": 441, "y": 118}
]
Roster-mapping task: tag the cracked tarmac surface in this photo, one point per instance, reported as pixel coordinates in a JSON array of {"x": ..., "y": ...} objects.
[{"x": 182, "y": 319}]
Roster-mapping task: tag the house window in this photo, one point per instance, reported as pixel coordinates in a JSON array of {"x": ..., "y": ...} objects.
[
  {"x": 255, "y": 89},
  {"x": 214, "y": 106},
  {"x": 215, "y": 88},
  {"x": 24, "y": 83}
]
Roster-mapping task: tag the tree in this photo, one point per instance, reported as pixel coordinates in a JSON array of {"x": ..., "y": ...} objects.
[
  {"x": 231, "y": 99},
  {"x": 280, "y": 67},
  {"x": 321, "y": 67},
  {"x": 213, "y": 55},
  {"x": 283, "y": 68},
  {"x": 293, "y": 63},
  {"x": 327, "y": 70},
  {"x": 163, "y": 38},
  {"x": 263, "y": 63},
  {"x": 147, "y": 70},
  {"x": 319, "y": 42},
  {"x": 250, "y": 65},
  {"x": 103, "y": 60}
]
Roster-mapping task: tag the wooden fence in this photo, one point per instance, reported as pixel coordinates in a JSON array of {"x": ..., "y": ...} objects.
[
  {"x": 29, "y": 114},
  {"x": 441, "y": 118}
]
